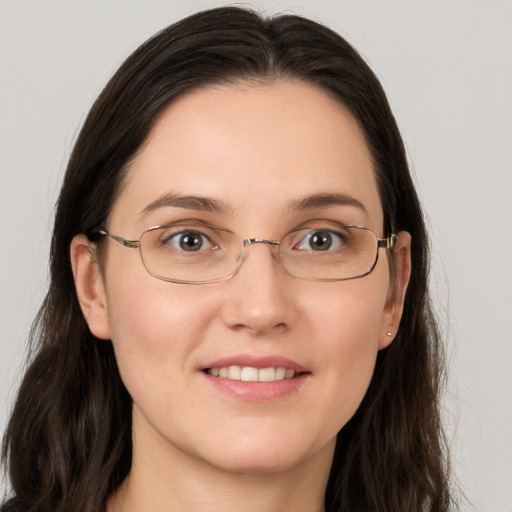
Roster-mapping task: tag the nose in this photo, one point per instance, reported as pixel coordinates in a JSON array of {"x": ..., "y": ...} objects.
[{"x": 260, "y": 296}]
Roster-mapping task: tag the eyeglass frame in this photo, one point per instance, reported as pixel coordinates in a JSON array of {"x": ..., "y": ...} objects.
[{"x": 387, "y": 243}]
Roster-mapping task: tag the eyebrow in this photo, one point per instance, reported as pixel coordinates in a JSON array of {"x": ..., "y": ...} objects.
[
  {"x": 188, "y": 202},
  {"x": 200, "y": 203},
  {"x": 320, "y": 200}
]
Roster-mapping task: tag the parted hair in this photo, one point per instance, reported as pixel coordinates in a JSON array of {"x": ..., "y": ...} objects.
[{"x": 68, "y": 443}]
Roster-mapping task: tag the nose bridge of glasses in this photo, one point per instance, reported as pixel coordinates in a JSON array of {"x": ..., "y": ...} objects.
[
  {"x": 250, "y": 241},
  {"x": 253, "y": 241}
]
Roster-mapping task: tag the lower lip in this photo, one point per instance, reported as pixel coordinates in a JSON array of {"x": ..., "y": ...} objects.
[{"x": 258, "y": 391}]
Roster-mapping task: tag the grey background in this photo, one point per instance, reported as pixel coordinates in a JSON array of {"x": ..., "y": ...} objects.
[{"x": 446, "y": 65}]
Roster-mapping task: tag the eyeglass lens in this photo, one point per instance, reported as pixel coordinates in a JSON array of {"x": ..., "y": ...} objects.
[{"x": 197, "y": 253}]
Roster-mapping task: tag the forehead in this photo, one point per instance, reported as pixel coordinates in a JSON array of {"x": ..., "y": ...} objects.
[{"x": 255, "y": 147}]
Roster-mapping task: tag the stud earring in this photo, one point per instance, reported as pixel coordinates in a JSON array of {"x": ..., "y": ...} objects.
[{"x": 390, "y": 333}]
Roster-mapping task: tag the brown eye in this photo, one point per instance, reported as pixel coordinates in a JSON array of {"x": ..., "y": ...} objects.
[
  {"x": 320, "y": 240},
  {"x": 189, "y": 241}
]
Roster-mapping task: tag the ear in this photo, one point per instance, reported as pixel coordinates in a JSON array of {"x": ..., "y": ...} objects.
[
  {"x": 89, "y": 286},
  {"x": 393, "y": 309}
]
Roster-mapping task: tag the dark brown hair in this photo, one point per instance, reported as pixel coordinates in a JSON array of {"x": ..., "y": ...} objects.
[{"x": 68, "y": 442}]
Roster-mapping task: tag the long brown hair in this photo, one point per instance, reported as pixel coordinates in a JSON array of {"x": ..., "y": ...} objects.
[{"x": 68, "y": 442}]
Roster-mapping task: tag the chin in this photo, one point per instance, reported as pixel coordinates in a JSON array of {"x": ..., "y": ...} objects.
[
  {"x": 261, "y": 456},
  {"x": 262, "y": 465}
]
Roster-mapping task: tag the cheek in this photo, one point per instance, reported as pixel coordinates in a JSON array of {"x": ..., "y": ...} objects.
[
  {"x": 155, "y": 327},
  {"x": 349, "y": 313},
  {"x": 349, "y": 321}
]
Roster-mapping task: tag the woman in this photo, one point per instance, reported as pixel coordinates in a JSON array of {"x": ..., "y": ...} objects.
[{"x": 238, "y": 312}]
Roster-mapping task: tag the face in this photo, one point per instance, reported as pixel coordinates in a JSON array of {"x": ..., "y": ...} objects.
[{"x": 258, "y": 151}]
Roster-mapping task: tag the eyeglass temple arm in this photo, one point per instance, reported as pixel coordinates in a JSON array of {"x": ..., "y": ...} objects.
[
  {"x": 388, "y": 243},
  {"x": 132, "y": 244}
]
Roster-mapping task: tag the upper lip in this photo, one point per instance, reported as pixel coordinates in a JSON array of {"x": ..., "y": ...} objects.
[{"x": 259, "y": 362}]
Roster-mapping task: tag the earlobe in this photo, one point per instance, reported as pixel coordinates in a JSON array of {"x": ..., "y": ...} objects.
[
  {"x": 398, "y": 286},
  {"x": 89, "y": 286}
]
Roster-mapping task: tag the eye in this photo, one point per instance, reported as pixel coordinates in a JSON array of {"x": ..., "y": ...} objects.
[
  {"x": 320, "y": 240},
  {"x": 189, "y": 241}
]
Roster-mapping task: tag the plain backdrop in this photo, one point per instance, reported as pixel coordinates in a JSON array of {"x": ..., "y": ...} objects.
[{"x": 446, "y": 66}]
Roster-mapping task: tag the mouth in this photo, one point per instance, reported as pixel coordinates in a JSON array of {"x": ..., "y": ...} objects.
[{"x": 252, "y": 374}]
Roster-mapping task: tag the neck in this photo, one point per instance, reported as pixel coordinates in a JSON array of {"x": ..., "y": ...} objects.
[{"x": 170, "y": 480}]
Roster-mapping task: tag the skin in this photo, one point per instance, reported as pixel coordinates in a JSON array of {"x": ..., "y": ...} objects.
[{"x": 256, "y": 148}]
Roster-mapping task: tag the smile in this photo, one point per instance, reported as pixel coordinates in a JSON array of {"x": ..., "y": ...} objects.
[
  {"x": 257, "y": 378},
  {"x": 250, "y": 374}
]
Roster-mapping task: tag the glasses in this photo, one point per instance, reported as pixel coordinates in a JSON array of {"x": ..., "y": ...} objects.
[{"x": 200, "y": 254}]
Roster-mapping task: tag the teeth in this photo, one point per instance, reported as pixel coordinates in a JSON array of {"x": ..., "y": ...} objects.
[
  {"x": 267, "y": 375},
  {"x": 234, "y": 372},
  {"x": 280, "y": 373},
  {"x": 249, "y": 374}
]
